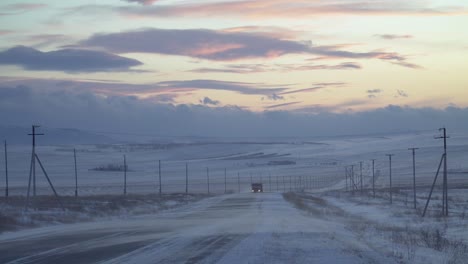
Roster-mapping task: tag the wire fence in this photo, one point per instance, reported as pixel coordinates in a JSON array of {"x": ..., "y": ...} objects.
[
  {"x": 163, "y": 169},
  {"x": 101, "y": 170}
]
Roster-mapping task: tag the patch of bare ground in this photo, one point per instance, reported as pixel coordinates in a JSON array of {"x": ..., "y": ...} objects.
[{"x": 312, "y": 204}]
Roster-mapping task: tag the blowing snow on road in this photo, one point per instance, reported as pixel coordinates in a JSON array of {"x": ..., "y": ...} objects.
[{"x": 237, "y": 228}]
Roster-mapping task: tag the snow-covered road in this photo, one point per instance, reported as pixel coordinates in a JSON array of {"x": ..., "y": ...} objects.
[{"x": 237, "y": 228}]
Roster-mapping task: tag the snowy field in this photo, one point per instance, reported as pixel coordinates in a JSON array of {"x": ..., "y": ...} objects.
[
  {"x": 319, "y": 161},
  {"x": 304, "y": 216}
]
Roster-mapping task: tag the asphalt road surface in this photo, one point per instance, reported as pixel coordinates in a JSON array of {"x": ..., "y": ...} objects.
[{"x": 237, "y": 228}]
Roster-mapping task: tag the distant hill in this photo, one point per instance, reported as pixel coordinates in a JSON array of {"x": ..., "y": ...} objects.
[{"x": 19, "y": 136}]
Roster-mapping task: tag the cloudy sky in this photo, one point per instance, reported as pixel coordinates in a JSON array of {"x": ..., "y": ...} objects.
[{"x": 268, "y": 62}]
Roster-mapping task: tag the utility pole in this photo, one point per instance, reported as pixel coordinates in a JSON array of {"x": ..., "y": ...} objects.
[
  {"x": 373, "y": 177},
  {"x": 277, "y": 183},
  {"x": 225, "y": 181},
  {"x": 284, "y": 183},
  {"x": 32, "y": 171},
  {"x": 125, "y": 175},
  {"x": 360, "y": 168},
  {"x": 352, "y": 178},
  {"x": 186, "y": 178},
  {"x": 160, "y": 186},
  {"x": 208, "y": 179},
  {"x": 390, "y": 167},
  {"x": 346, "y": 177},
  {"x": 445, "y": 181},
  {"x": 33, "y": 159},
  {"x": 6, "y": 171},
  {"x": 414, "y": 175},
  {"x": 76, "y": 174},
  {"x": 269, "y": 180},
  {"x": 238, "y": 182}
]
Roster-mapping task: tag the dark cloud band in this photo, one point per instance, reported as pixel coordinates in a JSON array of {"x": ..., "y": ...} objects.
[{"x": 66, "y": 60}]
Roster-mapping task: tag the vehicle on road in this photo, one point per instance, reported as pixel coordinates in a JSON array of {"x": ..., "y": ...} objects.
[{"x": 257, "y": 187}]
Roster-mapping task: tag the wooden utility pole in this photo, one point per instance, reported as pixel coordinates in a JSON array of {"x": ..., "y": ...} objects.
[
  {"x": 159, "y": 170},
  {"x": 186, "y": 178},
  {"x": 445, "y": 179},
  {"x": 125, "y": 175},
  {"x": 6, "y": 171},
  {"x": 346, "y": 177},
  {"x": 76, "y": 174},
  {"x": 32, "y": 173},
  {"x": 373, "y": 177},
  {"x": 238, "y": 182},
  {"x": 414, "y": 175},
  {"x": 277, "y": 183},
  {"x": 269, "y": 181},
  {"x": 33, "y": 159},
  {"x": 225, "y": 181},
  {"x": 208, "y": 179},
  {"x": 390, "y": 168},
  {"x": 360, "y": 168}
]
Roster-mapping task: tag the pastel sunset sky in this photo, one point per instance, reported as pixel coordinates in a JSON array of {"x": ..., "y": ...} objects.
[{"x": 308, "y": 57}]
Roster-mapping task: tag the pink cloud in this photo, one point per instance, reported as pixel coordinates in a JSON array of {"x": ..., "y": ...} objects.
[
  {"x": 222, "y": 46},
  {"x": 285, "y": 8},
  {"x": 5, "y": 32}
]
